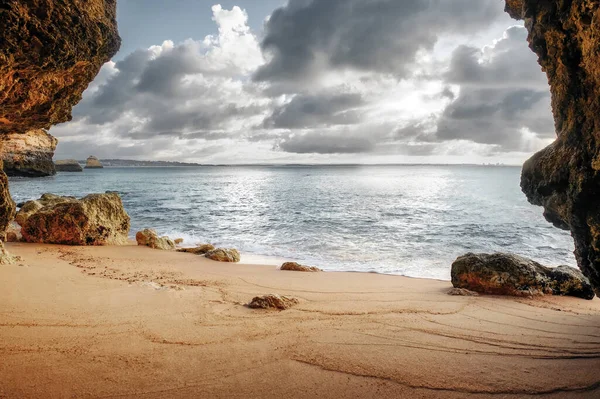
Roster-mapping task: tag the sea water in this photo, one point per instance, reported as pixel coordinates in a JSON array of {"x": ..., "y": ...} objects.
[{"x": 408, "y": 220}]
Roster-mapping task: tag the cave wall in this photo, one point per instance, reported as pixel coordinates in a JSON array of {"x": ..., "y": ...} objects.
[{"x": 564, "y": 177}]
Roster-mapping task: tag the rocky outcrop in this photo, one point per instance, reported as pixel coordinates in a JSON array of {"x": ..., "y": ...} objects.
[
  {"x": 150, "y": 238},
  {"x": 7, "y": 205},
  {"x": 68, "y": 165},
  {"x": 296, "y": 267},
  {"x": 199, "y": 250},
  {"x": 224, "y": 255},
  {"x": 97, "y": 219},
  {"x": 13, "y": 233},
  {"x": 564, "y": 178},
  {"x": 5, "y": 257},
  {"x": 28, "y": 154},
  {"x": 50, "y": 51},
  {"x": 93, "y": 163},
  {"x": 507, "y": 274},
  {"x": 273, "y": 301}
]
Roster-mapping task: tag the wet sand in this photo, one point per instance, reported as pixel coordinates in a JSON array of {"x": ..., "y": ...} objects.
[{"x": 118, "y": 322}]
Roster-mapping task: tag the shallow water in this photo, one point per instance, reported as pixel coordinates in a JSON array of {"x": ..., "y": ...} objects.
[{"x": 409, "y": 220}]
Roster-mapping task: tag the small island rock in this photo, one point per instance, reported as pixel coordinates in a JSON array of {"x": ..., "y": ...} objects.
[
  {"x": 97, "y": 219},
  {"x": 273, "y": 301},
  {"x": 68, "y": 165},
  {"x": 296, "y": 267},
  {"x": 150, "y": 238},
  {"x": 507, "y": 274},
  {"x": 224, "y": 255},
  {"x": 93, "y": 163},
  {"x": 199, "y": 250}
]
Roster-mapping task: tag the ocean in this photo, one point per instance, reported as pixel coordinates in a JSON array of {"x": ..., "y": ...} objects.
[{"x": 407, "y": 220}]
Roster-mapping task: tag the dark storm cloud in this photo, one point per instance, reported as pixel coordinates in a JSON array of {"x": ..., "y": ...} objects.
[
  {"x": 317, "y": 110},
  {"x": 502, "y": 92},
  {"x": 308, "y": 36}
]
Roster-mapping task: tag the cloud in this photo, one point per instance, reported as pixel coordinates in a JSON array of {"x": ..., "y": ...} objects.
[{"x": 308, "y": 37}]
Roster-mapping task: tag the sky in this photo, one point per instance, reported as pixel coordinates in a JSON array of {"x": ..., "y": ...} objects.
[{"x": 315, "y": 81}]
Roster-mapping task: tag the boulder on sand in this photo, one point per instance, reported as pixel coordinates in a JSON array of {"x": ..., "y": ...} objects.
[
  {"x": 199, "y": 250},
  {"x": 224, "y": 255},
  {"x": 93, "y": 163},
  {"x": 273, "y": 301},
  {"x": 296, "y": 267},
  {"x": 68, "y": 165},
  {"x": 97, "y": 219},
  {"x": 507, "y": 274},
  {"x": 150, "y": 238},
  {"x": 13, "y": 233}
]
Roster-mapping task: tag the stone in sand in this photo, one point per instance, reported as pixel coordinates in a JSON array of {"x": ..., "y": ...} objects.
[
  {"x": 97, "y": 219},
  {"x": 462, "y": 292},
  {"x": 224, "y": 255},
  {"x": 199, "y": 250},
  {"x": 93, "y": 163},
  {"x": 150, "y": 238},
  {"x": 13, "y": 233},
  {"x": 507, "y": 274},
  {"x": 296, "y": 267},
  {"x": 273, "y": 301},
  {"x": 68, "y": 165}
]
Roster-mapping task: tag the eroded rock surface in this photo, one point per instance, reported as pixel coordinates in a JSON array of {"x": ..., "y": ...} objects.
[
  {"x": 507, "y": 274},
  {"x": 68, "y": 165},
  {"x": 7, "y": 205},
  {"x": 224, "y": 255},
  {"x": 199, "y": 250},
  {"x": 97, "y": 219},
  {"x": 93, "y": 163},
  {"x": 273, "y": 301},
  {"x": 28, "y": 154},
  {"x": 5, "y": 257},
  {"x": 150, "y": 238},
  {"x": 564, "y": 178},
  {"x": 296, "y": 267}
]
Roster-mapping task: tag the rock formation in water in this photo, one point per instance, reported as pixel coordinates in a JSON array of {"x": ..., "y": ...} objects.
[
  {"x": 564, "y": 178},
  {"x": 296, "y": 267},
  {"x": 49, "y": 52},
  {"x": 507, "y": 274},
  {"x": 224, "y": 255},
  {"x": 28, "y": 154},
  {"x": 97, "y": 219},
  {"x": 68, "y": 165},
  {"x": 93, "y": 163},
  {"x": 149, "y": 238}
]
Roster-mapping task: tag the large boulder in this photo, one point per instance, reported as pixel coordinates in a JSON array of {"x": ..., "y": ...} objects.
[
  {"x": 150, "y": 238},
  {"x": 28, "y": 154},
  {"x": 507, "y": 274},
  {"x": 199, "y": 250},
  {"x": 224, "y": 255},
  {"x": 93, "y": 163},
  {"x": 564, "y": 178},
  {"x": 67, "y": 165},
  {"x": 97, "y": 219}
]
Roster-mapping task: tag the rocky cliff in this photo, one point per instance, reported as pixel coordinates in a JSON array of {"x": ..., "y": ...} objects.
[
  {"x": 50, "y": 50},
  {"x": 28, "y": 154},
  {"x": 564, "y": 178}
]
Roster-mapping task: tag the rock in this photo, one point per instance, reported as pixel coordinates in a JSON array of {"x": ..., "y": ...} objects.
[
  {"x": 296, "y": 267},
  {"x": 507, "y": 274},
  {"x": 50, "y": 52},
  {"x": 178, "y": 241},
  {"x": 564, "y": 178},
  {"x": 224, "y": 255},
  {"x": 13, "y": 233},
  {"x": 68, "y": 165},
  {"x": 462, "y": 292},
  {"x": 5, "y": 257},
  {"x": 93, "y": 163},
  {"x": 273, "y": 301},
  {"x": 150, "y": 238},
  {"x": 199, "y": 250},
  {"x": 7, "y": 205},
  {"x": 97, "y": 219},
  {"x": 28, "y": 154}
]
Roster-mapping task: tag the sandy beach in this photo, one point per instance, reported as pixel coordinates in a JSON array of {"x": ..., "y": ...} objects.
[{"x": 135, "y": 322}]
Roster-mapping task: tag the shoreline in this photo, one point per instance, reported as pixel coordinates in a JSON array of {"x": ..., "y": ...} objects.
[{"x": 135, "y": 322}]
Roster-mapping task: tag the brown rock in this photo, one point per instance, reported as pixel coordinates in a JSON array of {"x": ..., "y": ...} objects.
[
  {"x": 296, "y": 267},
  {"x": 13, "y": 233},
  {"x": 178, "y": 241},
  {"x": 507, "y": 274},
  {"x": 7, "y": 205},
  {"x": 5, "y": 257},
  {"x": 93, "y": 163},
  {"x": 150, "y": 238},
  {"x": 462, "y": 292},
  {"x": 564, "y": 178},
  {"x": 28, "y": 154},
  {"x": 68, "y": 165},
  {"x": 199, "y": 250},
  {"x": 97, "y": 219},
  {"x": 50, "y": 52},
  {"x": 273, "y": 301},
  {"x": 224, "y": 255}
]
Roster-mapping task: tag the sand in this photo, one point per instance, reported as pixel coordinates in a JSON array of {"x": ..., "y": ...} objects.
[{"x": 119, "y": 322}]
